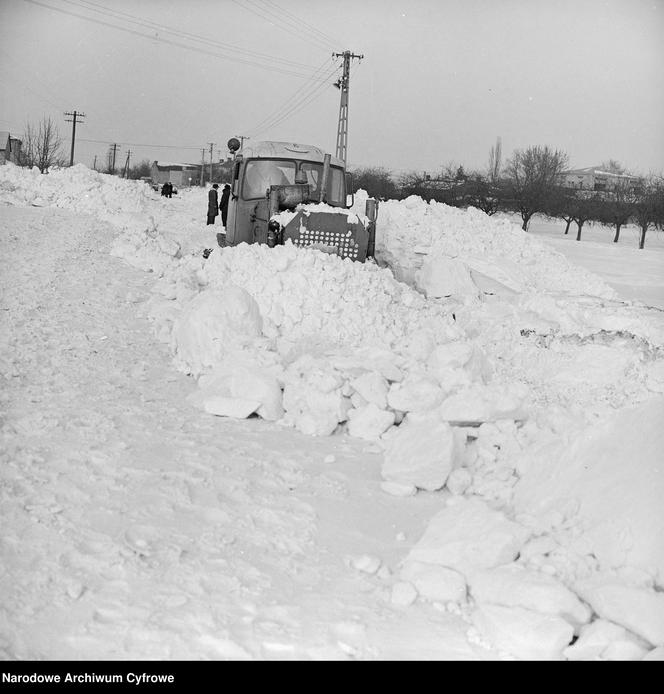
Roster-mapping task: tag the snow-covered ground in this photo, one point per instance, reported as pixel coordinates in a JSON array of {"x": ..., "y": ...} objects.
[{"x": 276, "y": 454}]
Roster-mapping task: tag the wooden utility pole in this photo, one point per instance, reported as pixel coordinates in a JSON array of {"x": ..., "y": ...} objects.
[
  {"x": 202, "y": 165},
  {"x": 112, "y": 151},
  {"x": 242, "y": 138},
  {"x": 94, "y": 165},
  {"x": 126, "y": 166},
  {"x": 75, "y": 116},
  {"x": 344, "y": 85}
]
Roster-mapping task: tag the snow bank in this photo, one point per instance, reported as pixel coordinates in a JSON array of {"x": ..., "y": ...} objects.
[{"x": 476, "y": 358}]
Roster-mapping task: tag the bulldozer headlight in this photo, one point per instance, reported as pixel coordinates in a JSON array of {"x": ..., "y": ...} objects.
[{"x": 273, "y": 228}]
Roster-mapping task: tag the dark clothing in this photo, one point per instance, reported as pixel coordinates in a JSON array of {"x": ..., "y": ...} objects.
[
  {"x": 213, "y": 206},
  {"x": 223, "y": 205},
  {"x": 167, "y": 190}
]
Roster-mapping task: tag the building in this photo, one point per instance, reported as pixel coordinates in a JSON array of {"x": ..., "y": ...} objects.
[
  {"x": 180, "y": 175},
  {"x": 10, "y": 148},
  {"x": 185, "y": 175},
  {"x": 596, "y": 179}
]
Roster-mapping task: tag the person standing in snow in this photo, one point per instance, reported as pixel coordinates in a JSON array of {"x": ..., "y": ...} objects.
[
  {"x": 223, "y": 205},
  {"x": 213, "y": 204}
]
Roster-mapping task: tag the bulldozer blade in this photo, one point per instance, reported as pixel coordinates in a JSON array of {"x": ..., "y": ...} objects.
[{"x": 331, "y": 230}]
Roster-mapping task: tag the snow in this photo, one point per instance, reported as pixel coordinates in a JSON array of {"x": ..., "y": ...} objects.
[{"x": 452, "y": 453}]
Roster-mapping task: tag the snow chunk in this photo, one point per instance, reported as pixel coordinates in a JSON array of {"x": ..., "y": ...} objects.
[
  {"x": 441, "y": 276},
  {"x": 604, "y": 640},
  {"x": 212, "y": 323},
  {"x": 372, "y": 387},
  {"x": 421, "y": 454},
  {"x": 467, "y": 535},
  {"x": 415, "y": 394},
  {"x": 514, "y": 585},
  {"x": 523, "y": 633},
  {"x": 435, "y": 583},
  {"x": 403, "y": 594},
  {"x": 232, "y": 383},
  {"x": 638, "y": 609},
  {"x": 614, "y": 473},
  {"x": 369, "y": 422},
  {"x": 478, "y": 404}
]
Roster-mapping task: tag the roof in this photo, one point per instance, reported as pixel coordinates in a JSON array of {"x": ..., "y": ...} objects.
[
  {"x": 595, "y": 170},
  {"x": 170, "y": 166},
  {"x": 286, "y": 150}
]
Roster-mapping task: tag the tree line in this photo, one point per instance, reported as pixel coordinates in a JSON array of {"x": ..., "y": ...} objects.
[
  {"x": 529, "y": 183},
  {"x": 42, "y": 146}
]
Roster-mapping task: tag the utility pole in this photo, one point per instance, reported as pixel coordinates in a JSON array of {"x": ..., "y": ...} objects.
[
  {"x": 202, "y": 165},
  {"x": 94, "y": 165},
  {"x": 75, "y": 115},
  {"x": 344, "y": 84},
  {"x": 126, "y": 166},
  {"x": 112, "y": 151},
  {"x": 211, "y": 146},
  {"x": 242, "y": 138}
]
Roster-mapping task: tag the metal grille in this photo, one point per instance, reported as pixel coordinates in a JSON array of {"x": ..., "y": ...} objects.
[{"x": 345, "y": 244}]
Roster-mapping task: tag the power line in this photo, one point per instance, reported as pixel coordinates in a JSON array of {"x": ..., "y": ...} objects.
[
  {"x": 295, "y": 108},
  {"x": 156, "y": 37},
  {"x": 288, "y": 106},
  {"x": 141, "y": 144},
  {"x": 280, "y": 19},
  {"x": 325, "y": 37},
  {"x": 133, "y": 19}
]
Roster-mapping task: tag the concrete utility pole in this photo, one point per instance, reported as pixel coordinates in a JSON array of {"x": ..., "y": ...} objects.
[
  {"x": 344, "y": 85},
  {"x": 112, "y": 151},
  {"x": 211, "y": 146},
  {"x": 75, "y": 115},
  {"x": 202, "y": 165}
]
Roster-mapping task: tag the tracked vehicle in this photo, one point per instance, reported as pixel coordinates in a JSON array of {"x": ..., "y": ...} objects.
[{"x": 272, "y": 178}]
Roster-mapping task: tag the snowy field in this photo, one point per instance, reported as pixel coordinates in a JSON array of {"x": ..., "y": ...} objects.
[{"x": 453, "y": 454}]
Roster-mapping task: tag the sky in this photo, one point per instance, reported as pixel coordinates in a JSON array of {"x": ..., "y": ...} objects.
[{"x": 439, "y": 81}]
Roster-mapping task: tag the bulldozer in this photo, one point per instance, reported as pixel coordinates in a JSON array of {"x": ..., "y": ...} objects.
[{"x": 271, "y": 178}]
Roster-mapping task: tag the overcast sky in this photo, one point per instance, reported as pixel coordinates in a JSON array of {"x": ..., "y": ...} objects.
[{"x": 439, "y": 82}]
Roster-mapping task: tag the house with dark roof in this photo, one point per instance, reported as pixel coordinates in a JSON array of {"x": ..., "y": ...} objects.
[{"x": 10, "y": 148}]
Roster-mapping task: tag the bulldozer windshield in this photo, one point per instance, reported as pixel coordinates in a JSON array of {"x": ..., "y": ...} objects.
[{"x": 260, "y": 174}]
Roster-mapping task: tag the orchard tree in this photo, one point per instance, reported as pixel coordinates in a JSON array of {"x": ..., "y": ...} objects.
[
  {"x": 532, "y": 176},
  {"x": 484, "y": 194},
  {"x": 649, "y": 207},
  {"x": 561, "y": 205},
  {"x": 583, "y": 209},
  {"x": 377, "y": 181},
  {"x": 141, "y": 170},
  {"x": 42, "y": 145},
  {"x": 619, "y": 208}
]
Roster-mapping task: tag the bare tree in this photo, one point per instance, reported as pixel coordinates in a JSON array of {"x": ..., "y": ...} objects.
[
  {"x": 613, "y": 166},
  {"x": 532, "y": 175},
  {"x": 42, "y": 145},
  {"x": 495, "y": 161},
  {"x": 377, "y": 181},
  {"x": 141, "y": 170},
  {"x": 649, "y": 208},
  {"x": 584, "y": 208}
]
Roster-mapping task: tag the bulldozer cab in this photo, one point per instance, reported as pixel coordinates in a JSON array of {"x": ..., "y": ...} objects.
[{"x": 270, "y": 178}]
